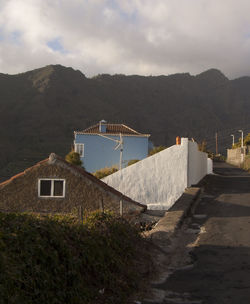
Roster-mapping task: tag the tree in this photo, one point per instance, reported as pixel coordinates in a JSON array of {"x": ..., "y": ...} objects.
[{"x": 74, "y": 158}]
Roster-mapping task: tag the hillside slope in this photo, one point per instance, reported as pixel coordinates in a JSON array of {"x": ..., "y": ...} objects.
[{"x": 40, "y": 109}]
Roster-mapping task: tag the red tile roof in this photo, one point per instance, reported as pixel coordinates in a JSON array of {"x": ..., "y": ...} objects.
[{"x": 112, "y": 129}]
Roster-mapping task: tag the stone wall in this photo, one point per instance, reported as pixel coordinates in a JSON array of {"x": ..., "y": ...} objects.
[
  {"x": 21, "y": 193},
  {"x": 235, "y": 156}
]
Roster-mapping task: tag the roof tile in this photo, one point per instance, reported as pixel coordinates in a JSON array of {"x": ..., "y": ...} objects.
[{"x": 111, "y": 129}]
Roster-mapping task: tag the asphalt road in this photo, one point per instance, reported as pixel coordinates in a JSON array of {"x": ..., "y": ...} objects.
[{"x": 221, "y": 255}]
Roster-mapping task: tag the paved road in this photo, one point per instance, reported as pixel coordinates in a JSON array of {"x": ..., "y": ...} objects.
[{"x": 221, "y": 272}]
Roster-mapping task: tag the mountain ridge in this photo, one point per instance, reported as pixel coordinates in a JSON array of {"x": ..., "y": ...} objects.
[{"x": 40, "y": 109}]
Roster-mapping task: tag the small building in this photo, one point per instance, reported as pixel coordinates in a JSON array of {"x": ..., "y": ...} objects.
[
  {"x": 55, "y": 186},
  {"x": 96, "y": 145}
]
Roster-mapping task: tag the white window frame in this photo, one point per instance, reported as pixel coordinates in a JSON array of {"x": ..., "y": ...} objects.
[
  {"x": 82, "y": 148},
  {"x": 52, "y": 187}
]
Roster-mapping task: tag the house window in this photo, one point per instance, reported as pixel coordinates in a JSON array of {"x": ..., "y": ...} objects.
[
  {"x": 79, "y": 148},
  {"x": 48, "y": 187}
]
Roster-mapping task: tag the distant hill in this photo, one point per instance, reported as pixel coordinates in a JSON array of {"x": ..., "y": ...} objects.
[{"x": 40, "y": 109}]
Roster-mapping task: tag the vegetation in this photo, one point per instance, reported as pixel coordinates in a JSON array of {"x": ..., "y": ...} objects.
[
  {"x": 246, "y": 141},
  {"x": 132, "y": 161},
  {"x": 105, "y": 172},
  {"x": 73, "y": 158},
  {"x": 58, "y": 260},
  {"x": 202, "y": 146},
  {"x": 156, "y": 150}
]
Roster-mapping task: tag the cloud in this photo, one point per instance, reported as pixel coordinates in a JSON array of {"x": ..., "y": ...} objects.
[{"x": 131, "y": 37}]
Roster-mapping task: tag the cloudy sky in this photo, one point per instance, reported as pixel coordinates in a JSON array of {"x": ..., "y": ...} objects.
[{"x": 145, "y": 37}]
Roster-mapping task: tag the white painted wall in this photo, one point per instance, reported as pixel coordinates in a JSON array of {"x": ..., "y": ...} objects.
[
  {"x": 209, "y": 166},
  {"x": 159, "y": 180},
  {"x": 197, "y": 164}
]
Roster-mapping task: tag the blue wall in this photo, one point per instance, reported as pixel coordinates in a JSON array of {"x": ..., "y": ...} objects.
[{"x": 99, "y": 152}]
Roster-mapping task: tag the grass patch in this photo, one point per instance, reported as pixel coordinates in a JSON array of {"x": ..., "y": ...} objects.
[{"x": 58, "y": 260}]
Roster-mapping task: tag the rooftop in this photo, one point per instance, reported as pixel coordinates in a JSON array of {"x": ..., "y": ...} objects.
[
  {"x": 112, "y": 129},
  {"x": 53, "y": 158}
]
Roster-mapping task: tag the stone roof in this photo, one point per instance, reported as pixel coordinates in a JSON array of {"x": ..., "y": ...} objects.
[
  {"x": 53, "y": 159},
  {"x": 112, "y": 129}
]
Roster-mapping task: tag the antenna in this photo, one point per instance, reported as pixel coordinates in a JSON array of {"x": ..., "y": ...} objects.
[{"x": 119, "y": 145}]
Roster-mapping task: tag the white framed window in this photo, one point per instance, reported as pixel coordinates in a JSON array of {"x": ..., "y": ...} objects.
[
  {"x": 79, "y": 148},
  {"x": 51, "y": 187}
]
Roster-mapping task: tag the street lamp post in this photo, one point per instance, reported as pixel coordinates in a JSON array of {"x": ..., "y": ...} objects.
[
  {"x": 241, "y": 137},
  {"x": 233, "y": 139},
  {"x": 242, "y": 152}
]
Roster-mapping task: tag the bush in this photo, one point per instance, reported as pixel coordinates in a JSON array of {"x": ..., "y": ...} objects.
[
  {"x": 105, "y": 172},
  {"x": 156, "y": 150},
  {"x": 54, "y": 260},
  {"x": 247, "y": 140},
  {"x": 132, "y": 161},
  {"x": 73, "y": 158}
]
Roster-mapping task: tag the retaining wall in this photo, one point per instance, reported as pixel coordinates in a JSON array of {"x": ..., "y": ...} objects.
[
  {"x": 235, "y": 156},
  {"x": 159, "y": 180}
]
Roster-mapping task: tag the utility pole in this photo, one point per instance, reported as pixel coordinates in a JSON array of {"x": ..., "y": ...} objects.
[
  {"x": 242, "y": 150},
  {"x": 216, "y": 142}
]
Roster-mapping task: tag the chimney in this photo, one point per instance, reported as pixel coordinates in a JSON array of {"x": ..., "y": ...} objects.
[
  {"x": 102, "y": 126},
  {"x": 178, "y": 140}
]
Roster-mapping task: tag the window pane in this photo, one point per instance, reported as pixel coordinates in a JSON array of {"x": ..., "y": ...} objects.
[
  {"x": 45, "y": 187},
  {"x": 79, "y": 149},
  {"x": 58, "y": 188}
]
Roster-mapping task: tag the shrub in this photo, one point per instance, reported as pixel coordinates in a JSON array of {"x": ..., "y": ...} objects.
[
  {"x": 73, "y": 158},
  {"x": 54, "y": 260},
  {"x": 132, "y": 161},
  {"x": 156, "y": 150},
  {"x": 202, "y": 146},
  {"x": 105, "y": 172},
  {"x": 247, "y": 140}
]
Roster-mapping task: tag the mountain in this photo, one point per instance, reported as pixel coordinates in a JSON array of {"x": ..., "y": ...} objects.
[{"x": 40, "y": 109}]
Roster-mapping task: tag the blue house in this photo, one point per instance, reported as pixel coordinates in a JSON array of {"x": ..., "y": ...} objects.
[{"x": 100, "y": 145}]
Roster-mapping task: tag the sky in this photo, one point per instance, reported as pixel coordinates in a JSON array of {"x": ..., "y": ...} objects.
[{"x": 143, "y": 37}]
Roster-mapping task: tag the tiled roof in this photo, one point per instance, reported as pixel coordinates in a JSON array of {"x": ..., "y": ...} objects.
[
  {"x": 54, "y": 157},
  {"x": 112, "y": 129}
]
